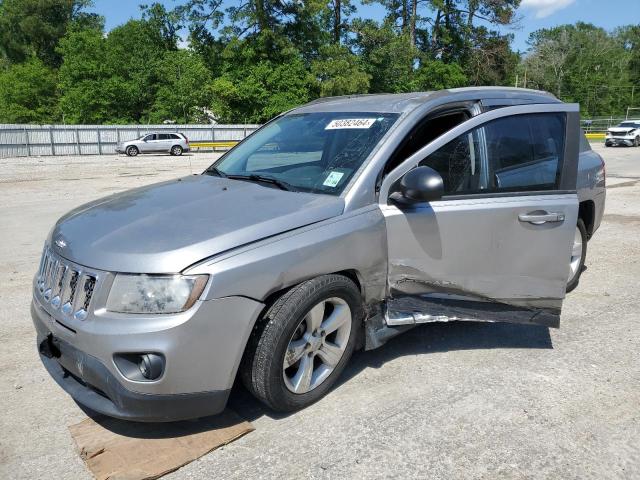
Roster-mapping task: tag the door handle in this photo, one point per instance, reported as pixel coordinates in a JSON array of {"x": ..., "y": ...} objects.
[{"x": 542, "y": 217}]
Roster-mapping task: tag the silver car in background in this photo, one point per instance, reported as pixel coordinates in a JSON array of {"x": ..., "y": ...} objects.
[
  {"x": 155, "y": 142},
  {"x": 335, "y": 226}
]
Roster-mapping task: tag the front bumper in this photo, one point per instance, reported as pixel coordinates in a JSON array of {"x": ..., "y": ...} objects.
[
  {"x": 619, "y": 141},
  {"x": 91, "y": 384},
  {"x": 202, "y": 350}
]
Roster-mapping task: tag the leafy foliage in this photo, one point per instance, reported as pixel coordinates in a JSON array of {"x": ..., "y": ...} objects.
[
  {"x": 28, "y": 92},
  {"x": 338, "y": 71},
  {"x": 34, "y": 27},
  {"x": 583, "y": 63}
]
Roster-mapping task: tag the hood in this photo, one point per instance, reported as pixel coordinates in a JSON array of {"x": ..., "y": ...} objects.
[
  {"x": 166, "y": 227},
  {"x": 620, "y": 129}
]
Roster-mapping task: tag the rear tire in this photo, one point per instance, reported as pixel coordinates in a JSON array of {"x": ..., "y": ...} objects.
[
  {"x": 176, "y": 150},
  {"x": 636, "y": 142},
  {"x": 284, "y": 345},
  {"x": 132, "y": 151},
  {"x": 574, "y": 275}
]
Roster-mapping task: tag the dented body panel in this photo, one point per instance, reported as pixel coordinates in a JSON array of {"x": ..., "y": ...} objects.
[
  {"x": 354, "y": 242},
  {"x": 478, "y": 249}
]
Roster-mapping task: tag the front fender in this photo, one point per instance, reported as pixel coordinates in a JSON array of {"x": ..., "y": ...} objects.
[{"x": 355, "y": 241}]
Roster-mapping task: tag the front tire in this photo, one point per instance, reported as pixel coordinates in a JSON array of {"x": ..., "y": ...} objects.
[
  {"x": 636, "y": 142},
  {"x": 578, "y": 255},
  {"x": 303, "y": 342},
  {"x": 132, "y": 151}
]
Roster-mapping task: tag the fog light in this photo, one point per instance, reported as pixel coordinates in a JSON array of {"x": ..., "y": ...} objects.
[{"x": 150, "y": 366}]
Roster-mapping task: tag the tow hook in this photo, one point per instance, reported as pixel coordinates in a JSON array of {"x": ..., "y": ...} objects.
[{"x": 49, "y": 347}]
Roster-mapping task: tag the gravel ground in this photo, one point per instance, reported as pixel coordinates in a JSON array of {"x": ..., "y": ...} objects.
[{"x": 457, "y": 400}]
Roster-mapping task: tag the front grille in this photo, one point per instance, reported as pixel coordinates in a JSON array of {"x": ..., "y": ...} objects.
[
  {"x": 64, "y": 286},
  {"x": 620, "y": 134}
]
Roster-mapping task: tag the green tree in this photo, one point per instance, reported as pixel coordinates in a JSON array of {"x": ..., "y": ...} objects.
[
  {"x": 34, "y": 27},
  {"x": 113, "y": 79},
  {"x": 254, "y": 87},
  {"x": 84, "y": 77},
  {"x": 581, "y": 63},
  {"x": 184, "y": 92},
  {"x": 165, "y": 23},
  {"x": 437, "y": 75},
  {"x": 629, "y": 38},
  {"x": 339, "y": 72},
  {"x": 386, "y": 56},
  {"x": 28, "y": 93}
]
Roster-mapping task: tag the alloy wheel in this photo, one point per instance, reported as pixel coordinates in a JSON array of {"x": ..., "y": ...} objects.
[
  {"x": 317, "y": 345},
  {"x": 576, "y": 255}
]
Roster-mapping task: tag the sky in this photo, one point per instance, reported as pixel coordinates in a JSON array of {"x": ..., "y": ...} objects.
[{"x": 534, "y": 14}]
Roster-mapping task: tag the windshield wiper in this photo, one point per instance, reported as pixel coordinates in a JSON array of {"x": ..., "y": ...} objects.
[
  {"x": 281, "y": 184},
  {"x": 216, "y": 171}
]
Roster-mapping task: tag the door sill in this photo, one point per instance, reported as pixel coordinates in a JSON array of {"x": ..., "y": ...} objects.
[{"x": 413, "y": 310}]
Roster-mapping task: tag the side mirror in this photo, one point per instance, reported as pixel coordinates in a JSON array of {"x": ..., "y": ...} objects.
[{"x": 422, "y": 184}]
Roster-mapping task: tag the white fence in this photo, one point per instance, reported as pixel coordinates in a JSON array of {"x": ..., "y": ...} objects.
[{"x": 36, "y": 140}]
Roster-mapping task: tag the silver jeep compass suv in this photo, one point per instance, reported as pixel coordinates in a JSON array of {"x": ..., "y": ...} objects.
[{"x": 335, "y": 226}]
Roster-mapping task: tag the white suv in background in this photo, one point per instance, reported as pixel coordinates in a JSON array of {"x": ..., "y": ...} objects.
[
  {"x": 173, "y": 143},
  {"x": 627, "y": 133}
]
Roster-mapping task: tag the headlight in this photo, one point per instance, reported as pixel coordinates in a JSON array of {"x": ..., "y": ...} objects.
[
  {"x": 155, "y": 293},
  {"x": 608, "y": 134}
]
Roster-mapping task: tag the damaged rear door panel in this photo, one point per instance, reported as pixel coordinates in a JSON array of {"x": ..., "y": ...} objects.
[{"x": 495, "y": 247}]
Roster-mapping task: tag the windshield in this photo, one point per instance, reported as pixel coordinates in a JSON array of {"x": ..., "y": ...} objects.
[
  {"x": 629, "y": 124},
  {"x": 311, "y": 152}
]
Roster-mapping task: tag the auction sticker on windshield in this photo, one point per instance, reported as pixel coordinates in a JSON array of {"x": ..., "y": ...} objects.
[
  {"x": 333, "y": 179},
  {"x": 350, "y": 123}
]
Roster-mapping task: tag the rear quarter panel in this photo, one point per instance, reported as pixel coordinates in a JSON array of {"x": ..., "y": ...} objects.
[{"x": 591, "y": 184}]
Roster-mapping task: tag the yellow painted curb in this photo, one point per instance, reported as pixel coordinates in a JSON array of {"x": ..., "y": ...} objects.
[
  {"x": 228, "y": 144},
  {"x": 595, "y": 136}
]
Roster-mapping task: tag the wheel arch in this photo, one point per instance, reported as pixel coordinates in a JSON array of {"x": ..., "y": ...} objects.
[
  {"x": 586, "y": 212},
  {"x": 352, "y": 274}
]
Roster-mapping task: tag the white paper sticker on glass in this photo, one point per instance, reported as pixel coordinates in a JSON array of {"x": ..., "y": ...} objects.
[
  {"x": 350, "y": 123},
  {"x": 333, "y": 179}
]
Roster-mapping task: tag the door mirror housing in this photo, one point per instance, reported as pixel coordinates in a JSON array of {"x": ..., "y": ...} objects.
[{"x": 422, "y": 184}]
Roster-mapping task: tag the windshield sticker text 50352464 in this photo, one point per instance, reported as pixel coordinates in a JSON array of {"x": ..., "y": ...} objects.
[{"x": 350, "y": 123}]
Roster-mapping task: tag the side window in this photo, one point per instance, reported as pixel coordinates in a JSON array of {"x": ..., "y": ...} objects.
[
  {"x": 585, "y": 146},
  {"x": 458, "y": 164},
  {"x": 426, "y": 131},
  {"x": 148, "y": 138},
  {"x": 525, "y": 152}
]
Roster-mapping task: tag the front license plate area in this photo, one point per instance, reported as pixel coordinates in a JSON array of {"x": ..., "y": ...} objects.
[{"x": 50, "y": 347}]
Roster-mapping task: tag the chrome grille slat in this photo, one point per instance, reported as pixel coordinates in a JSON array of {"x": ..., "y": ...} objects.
[
  {"x": 65, "y": 286},
  {"x": 61, "y": 274}
]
